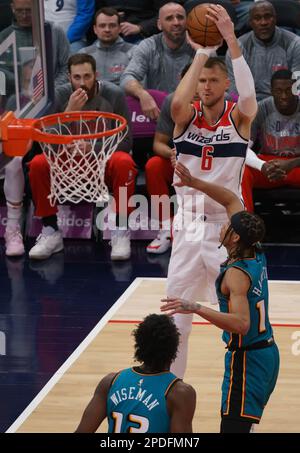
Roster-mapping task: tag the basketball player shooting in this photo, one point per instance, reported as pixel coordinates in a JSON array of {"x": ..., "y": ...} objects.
[{"x": 211, "y": 138}]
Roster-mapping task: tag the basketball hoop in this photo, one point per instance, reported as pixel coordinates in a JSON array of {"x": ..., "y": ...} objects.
[{"x": 76, "y": 145}]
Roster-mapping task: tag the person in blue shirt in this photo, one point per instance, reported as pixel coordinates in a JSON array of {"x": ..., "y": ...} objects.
[
  {"x": 146, "y": 398},
  {"x": 252, "y": 359},
  {"x": 74, "y": 16}
]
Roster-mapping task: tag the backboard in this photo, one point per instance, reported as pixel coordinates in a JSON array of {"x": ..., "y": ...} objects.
[{"x": 24, "y": 86}]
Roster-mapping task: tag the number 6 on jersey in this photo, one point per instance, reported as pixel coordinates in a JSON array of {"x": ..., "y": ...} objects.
[{"x": 207, "y": 157}]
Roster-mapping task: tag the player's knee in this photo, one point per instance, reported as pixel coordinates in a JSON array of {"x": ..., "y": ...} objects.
[{"x": 123, "y": 160}]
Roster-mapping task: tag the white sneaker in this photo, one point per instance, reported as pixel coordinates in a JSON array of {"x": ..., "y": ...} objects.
[
  {"x": 120, "y": 245},
  {"x": 161, "y": 243},
  {"x": 14, "y": 242},
  {"x": 45, "y": 246}
]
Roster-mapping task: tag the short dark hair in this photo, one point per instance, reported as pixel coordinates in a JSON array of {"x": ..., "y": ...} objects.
[
  {"x": 211, "y": 62},
  {"x": 81, "y": 58},
  {"x": 156, "y": 341},
  {"x": 107, "y": 11},
  {"x": 258, "y": 3},
  {"x": 251, "y": 229},
  {"x": 282, "y": 74}
]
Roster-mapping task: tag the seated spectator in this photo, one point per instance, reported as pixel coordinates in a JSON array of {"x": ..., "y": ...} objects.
[
  {"x": 138, "y": 17},
  {"x": 111, "y": 52},
  {"x": 14, "y": 177},
  {"x": 143, "y": 129},
  {"x": 159, "y": 174},
  {"x": 22, "y": 26},
  {"x": 74, "y": 16},
  {"x": 84, "y": 92},
  {"x": 159, "y": 59},
  {"x": 266, "y": 48},
  {"x": 276, "y": 129}
]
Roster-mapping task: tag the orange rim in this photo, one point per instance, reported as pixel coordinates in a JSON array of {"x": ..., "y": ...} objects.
[
  {"x": 16, "y": 133},
  {"x": 50, "y": 120}
]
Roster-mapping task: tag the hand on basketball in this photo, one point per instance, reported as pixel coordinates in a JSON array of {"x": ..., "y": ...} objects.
[
  {"x": 221, "y": 18},
  {"x": 197, "y": 46},
  {"x": 176, "y": 305},
  {"x": 77, "y": 100},
  {"x": 184, "y": 174}
]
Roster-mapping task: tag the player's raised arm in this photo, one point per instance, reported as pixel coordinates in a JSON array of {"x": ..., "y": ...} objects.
[
  {"x": 247, "y": 105},
  {"x": 221, "y": 195}
]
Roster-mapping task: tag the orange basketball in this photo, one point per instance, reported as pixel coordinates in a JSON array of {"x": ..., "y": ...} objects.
[{"x": 201, "y": 29}]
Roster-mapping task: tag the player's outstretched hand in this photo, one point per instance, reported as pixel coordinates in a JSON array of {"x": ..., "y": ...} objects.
[
  {"x": 221, "y": 18},
  {"x": 184, "y": 175},
  {"x": 175, "y": 305}
]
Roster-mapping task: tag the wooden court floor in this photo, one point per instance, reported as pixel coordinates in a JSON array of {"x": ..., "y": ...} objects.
[{"x": 109, "y": 347}]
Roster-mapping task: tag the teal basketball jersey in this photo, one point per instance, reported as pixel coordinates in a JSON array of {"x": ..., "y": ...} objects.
[
  {"x": 258, "y": 299},
  {"x": 136, "y": 402}
]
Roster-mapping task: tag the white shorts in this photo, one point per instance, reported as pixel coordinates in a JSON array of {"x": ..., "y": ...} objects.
[{"x": 195, "y": 265}]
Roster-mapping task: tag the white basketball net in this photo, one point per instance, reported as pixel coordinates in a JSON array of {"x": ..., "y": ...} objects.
[{"x": 77, "y": 170}]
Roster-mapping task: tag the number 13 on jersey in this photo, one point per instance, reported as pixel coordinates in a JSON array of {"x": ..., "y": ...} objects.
[{"x": 207, "y": 157}]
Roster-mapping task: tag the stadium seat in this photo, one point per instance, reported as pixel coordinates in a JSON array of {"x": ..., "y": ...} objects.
[{"x": 280, "y": 209}]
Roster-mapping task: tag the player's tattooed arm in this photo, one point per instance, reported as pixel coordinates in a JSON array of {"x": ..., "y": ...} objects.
[{"x": 176, "y": 305}]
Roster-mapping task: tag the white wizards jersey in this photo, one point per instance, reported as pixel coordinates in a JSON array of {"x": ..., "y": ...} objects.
[
  {"x": 62, "y": 12},
  {"x": 213, "y": 153}
]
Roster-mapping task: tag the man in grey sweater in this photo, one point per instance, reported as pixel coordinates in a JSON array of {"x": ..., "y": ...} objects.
[
  {"x": 85, "y": 92},
  {"x": 159, "y": 59},
  {"x": 111, "y": 52},
  {"x": 266, "y": 49},
  {"x": 275, "y": 133}
]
